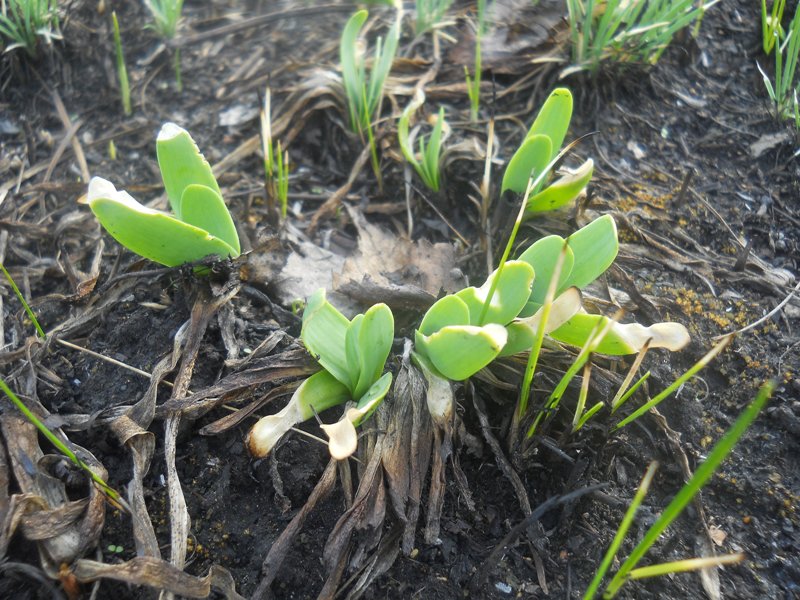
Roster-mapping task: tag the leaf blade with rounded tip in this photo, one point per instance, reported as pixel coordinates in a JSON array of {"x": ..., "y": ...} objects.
[
  {"x": 448, "y": 310},
  {"x": 324, "y": 332},
  {"x": 155, "y": 235},
  {"x": 458, "y": 352},
  {"x": 204, "y": 208},
  {"x": 181, "y": 164},
  {"x": 530, "y": 159},
  {"x": 562, "y": 191},
  {"x": 595, "y": 247},
  {"x": 374, "y": 344},
  {"x": 553, "y": 119}
]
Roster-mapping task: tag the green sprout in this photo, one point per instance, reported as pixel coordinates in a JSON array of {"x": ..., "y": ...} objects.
[
  {"x": 201, "y": 225},
  {"x": 537, "y": 152},
  {"x": 474, "y": 82},
  {"x": 364, "y": 92},
  {"x": 625, "y": 31},
  {"x": 166, "y": 16},
  {"x": 25, "y": 305},
  {"x": 427, "y": 165},
  {"x": 783, "y": 92},
  {"x": 705, "y": 471},
  {"x": 122, "y": 70},
  {"x": 352, "y": 354},
  {"x": 429, "y": 14},
  {"x": 24, "y": 22},
  {"x": 276, "y": 161},
  {"x": 771, "y": 29}
]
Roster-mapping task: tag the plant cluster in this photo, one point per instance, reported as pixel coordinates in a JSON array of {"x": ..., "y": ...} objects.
[
  {"x": 24, "y": 22},
  {"x": 352, "y": 354},
  {"x": 783, "y": 89},
  {"x": 426, "y": 162},
  {"x": 625, "y": 32},
  {"x": 166, "y": 17}
]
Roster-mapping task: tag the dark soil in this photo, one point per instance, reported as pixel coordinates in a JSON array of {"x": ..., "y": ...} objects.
[{"x": 675, "y": 165}]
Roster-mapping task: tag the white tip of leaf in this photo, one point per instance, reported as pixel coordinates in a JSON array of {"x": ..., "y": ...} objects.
[
  {"x": 342, "y": 436},
  {"x": 562, "y": 310},
  {"x": 672, "y": 336},
  {"x": 169, "y": 131},
  {"x": 270, "y": 429},
  {"x": 102, "y": 189}
]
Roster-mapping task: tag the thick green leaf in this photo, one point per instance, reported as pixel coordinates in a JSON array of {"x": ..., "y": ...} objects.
[
  {"x": 352, "y": 352},
  {"x": 578, "y": 330},
  {"x": 449, "y": 310},
  {"x": 323, "y": 332},
  {"x": 595, "y": 247},
  {"x": 320, "y": 392},
  {"x": 181, "y": 164},
  {"x": 510, "y": 295},
  {"x": 562, "y": 191},
  {"x": 542, "y": 256},
  {"x": 528, "y": 161},
  {"x": 553, "y": 119},
  {"x": 150, "y": 233},
  {"x": 204, "y": 208},
  {"x": 375, "y": 339},
  {"x": 367, "y": 404},
  {"x": 461, "y": 351}
]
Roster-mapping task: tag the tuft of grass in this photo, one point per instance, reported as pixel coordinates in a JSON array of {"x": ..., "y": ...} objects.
[
  {"x": 429, "y": 14},
  {"x": 705, "y": 471},
  {"x": 427, "y": 165},
  {"x": 623, "y": 31},
  {"x": 276, "y": 160},
  {"x": 23, "y": 23},
  {"x": 474, "y": 82},
  {"x": 783, "y": 91},
  {"x": 771, "y": 29}
]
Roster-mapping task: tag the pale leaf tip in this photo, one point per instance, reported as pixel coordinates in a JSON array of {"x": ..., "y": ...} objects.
[
  {"x": 168, "y": 131},
  {"x": 343, "y": 439}
]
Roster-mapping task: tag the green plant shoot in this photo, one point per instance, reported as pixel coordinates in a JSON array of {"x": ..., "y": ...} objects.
[
  {"x": 704, "y": 472},
  {"x": 122, "y": 70},
  {"x": 352, "y": 354},
  {"x": 427, "y": 165},
  {"x": 201, "y": 224},
  {"x": 538, "y": 150},
  {"x": 166, "y": 16},
  {"x": 771, "y": 29}
]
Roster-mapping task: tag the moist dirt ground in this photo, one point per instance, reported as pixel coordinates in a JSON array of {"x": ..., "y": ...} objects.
[{"x": 701, "y": 179}]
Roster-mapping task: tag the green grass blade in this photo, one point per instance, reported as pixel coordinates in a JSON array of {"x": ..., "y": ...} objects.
[
  {"x": 701, "y": 476},
  {"x": 25, "y": 305}
]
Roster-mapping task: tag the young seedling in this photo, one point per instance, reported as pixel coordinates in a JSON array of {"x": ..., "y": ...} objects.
[
  {"x": 24, "y": 22},
  {"x": 364, "y": 93},
  {"x": 352, "y": 354},
  {"x": 276, "y": 161},
  {"x": 200, "y": 225},
  {"x": 166, "y": 16},
  {"x": 25, "y": 305},
  {"x": 538, "y": 151},
  {"x": 427, "y": 165},
  {"x": 771, "y": 29},
  {"x": 122, "y": 70},
  {"x": 705, "y": 471},
  {"x": 474, "y": 82}
]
